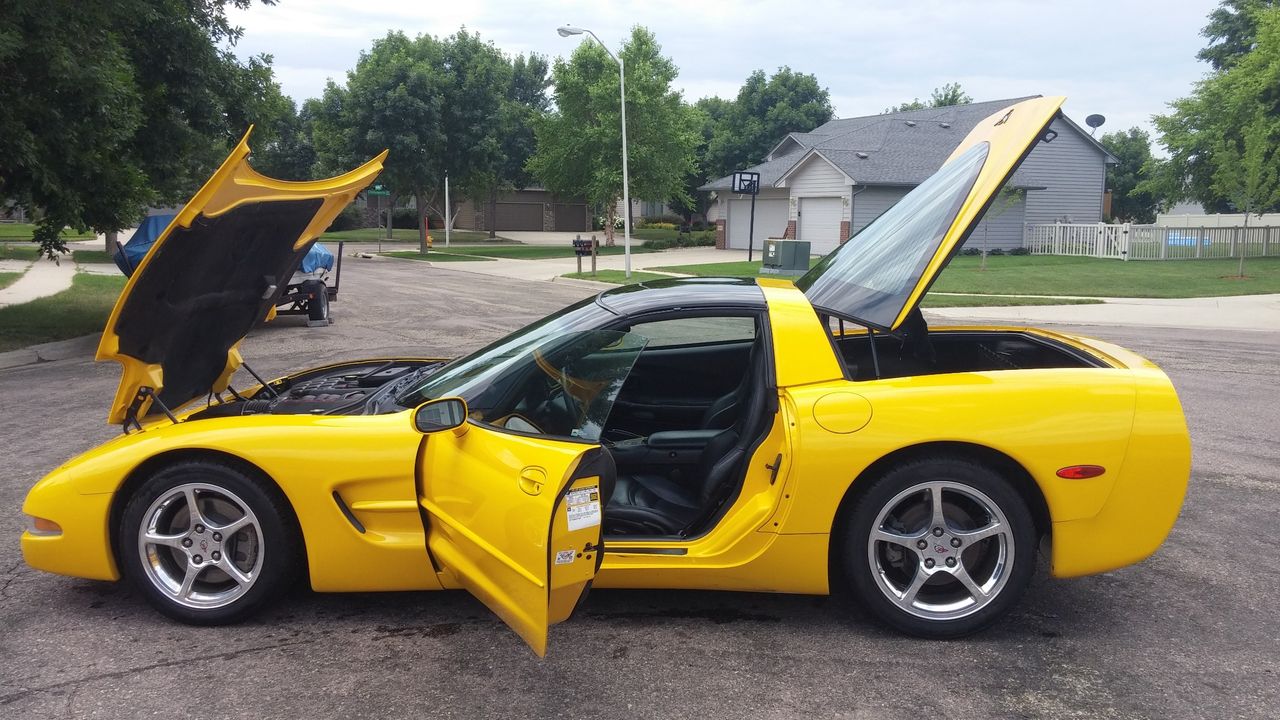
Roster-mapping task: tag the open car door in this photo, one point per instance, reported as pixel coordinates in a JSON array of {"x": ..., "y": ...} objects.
[{"x": 513, "y": 488}]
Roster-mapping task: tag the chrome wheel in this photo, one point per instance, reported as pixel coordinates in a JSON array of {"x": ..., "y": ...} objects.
[
  {"x": 201, "y": 546},
  {"x": 941, "y": 550}
]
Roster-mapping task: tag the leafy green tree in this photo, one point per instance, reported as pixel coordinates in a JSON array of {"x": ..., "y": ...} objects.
[
  {"x": 1246, "y": 170},
  {"x": 945, "y": 96},
  {"x": 108, "y": 107},
  {"x": 434, "y": 104},
  {"x": 526, "y": 100},
  {"x": 1232, "y": 31},
  {"x": 1132, "y": 148},
  {"x": 1220, "y": 107},
  {"x": 580, "y": 144},
  {"x": 711, "y": 112},
  {"x": 765, "y": 110}
]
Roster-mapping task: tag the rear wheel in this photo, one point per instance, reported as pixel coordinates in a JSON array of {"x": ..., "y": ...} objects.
[
  {"x": 206, "y": 544},
  {"x": 939, "y": 547}
]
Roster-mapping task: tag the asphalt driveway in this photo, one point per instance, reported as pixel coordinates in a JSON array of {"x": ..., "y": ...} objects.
[{"x": 1190, "y": 633}]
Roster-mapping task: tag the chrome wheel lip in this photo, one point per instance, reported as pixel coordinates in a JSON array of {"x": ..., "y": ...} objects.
[
  {"x": 930, "y": 562},
  {"x": 175, "y": 562}
]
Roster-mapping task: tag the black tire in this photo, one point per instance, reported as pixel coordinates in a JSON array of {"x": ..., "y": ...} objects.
[
  {"x": 873, "y": 571},
  {"x": 317, "y": 302},
  {"x": 267, "y": 550}
]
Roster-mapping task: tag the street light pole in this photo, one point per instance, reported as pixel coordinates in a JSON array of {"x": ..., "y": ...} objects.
[{"x": 566, "y": 31}]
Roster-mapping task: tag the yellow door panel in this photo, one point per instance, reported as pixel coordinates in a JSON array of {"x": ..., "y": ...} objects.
[{"x": 516, "y": 521}]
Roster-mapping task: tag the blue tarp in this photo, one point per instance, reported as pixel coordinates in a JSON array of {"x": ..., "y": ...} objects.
[
  {"x": 317, "y": 257},
  {"x": 127, "y": 258},
  {"x": 152, "y": 227}
]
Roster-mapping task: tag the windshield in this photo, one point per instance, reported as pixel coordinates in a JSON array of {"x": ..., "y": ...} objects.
[
  {"x": 871, "y": 276},
  {"x": 551, "y": 378}
]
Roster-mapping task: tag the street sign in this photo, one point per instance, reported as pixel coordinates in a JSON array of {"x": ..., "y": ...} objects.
[
  {"x": 746, "y": 183},
  {"x": 379, "y": 190}
]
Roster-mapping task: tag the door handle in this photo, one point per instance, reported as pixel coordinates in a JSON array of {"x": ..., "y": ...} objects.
[
  {"x": 531, "y": 480},
  {"x": 777, "y": 465}
]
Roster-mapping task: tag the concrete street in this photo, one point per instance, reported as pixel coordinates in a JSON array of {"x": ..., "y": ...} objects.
[{"x": 1189, "y": 633}]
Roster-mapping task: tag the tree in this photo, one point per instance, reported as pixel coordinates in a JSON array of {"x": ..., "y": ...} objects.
[
  {"x": 579, "y": 149},
  {"x": 1232, "y": 31},
  {"x": 1246, "y": 169},
  {"x": 945, "y": 96},
  {"x": 1221, "y": 107},
  {"x": 434, "y": 104},
  {"x": 1132, "y": 149},
  {"x": 711, "y": 112},
  {"x": 108, "y": 107},
  {"x": 526, "y": 100},
  {"x": 765, "y": 110}
]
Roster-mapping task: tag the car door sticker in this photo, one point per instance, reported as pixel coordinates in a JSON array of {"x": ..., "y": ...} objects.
[
  {"x": 564, "y": 557},
  {"x": 584, "y": 507}
]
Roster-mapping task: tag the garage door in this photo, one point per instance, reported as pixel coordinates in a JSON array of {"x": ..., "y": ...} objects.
[
  {"x": 819, "y": 224},
  {"x": 571, "y": 217},
  {"x": 519, "y": 216},
  {"x": 771, "y": 221}
]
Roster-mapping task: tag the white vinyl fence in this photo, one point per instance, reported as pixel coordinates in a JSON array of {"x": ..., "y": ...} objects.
[{"x": 1150, "y": 242}]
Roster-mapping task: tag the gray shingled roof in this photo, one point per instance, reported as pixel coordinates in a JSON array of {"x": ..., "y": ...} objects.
[{"x": 896, "y": 153}]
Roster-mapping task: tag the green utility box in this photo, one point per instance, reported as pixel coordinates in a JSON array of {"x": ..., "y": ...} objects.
[{"x": 785, "y": 257}]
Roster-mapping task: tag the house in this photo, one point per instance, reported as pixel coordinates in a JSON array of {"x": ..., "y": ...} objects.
[
  {"x": 825, "y": 185},
  {"x": 529, "y": 209}
]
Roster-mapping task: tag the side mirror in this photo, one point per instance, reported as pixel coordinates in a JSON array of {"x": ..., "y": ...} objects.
[{"x": 441, "y": 414}]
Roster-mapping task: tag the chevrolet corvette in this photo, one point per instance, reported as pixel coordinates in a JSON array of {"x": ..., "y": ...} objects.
[{"x": 725, "y": 434}]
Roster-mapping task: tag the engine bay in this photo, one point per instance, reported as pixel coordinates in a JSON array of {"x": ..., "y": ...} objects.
[{"x": 361, "y": 388}]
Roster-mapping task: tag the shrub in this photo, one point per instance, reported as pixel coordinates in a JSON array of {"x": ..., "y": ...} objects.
[
  {"x": 1020, "y": 251},
  {"x": 971, "y": 251},
  {"x": 684, "y": 240},
  {"x": 404, "y": 218},
  {"x": 351, "y": 218},
  {"x": 996, "y": 251},
  {"x": 659, "y": 225}
]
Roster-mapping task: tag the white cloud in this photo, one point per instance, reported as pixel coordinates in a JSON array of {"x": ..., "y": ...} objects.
[{"x": 1126, "y": 60}]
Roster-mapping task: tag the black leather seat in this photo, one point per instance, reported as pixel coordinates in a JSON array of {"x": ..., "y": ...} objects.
[
  {"x": 649, "y": 504},
  {"x": 724, "y": 412}
]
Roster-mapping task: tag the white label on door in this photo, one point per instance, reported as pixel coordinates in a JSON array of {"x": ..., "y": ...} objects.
[
  {"x": 583, "y": 505},
  {"x": 564, "y": 557}
]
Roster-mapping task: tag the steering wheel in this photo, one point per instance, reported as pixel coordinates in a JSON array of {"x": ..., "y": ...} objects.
[{"x": 583, "y": 391}]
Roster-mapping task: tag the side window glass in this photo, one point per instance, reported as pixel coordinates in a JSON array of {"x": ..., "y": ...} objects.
[{"x": 696, "y": 331}]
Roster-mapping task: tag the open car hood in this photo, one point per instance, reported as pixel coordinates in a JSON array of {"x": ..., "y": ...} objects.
[
  {"x": 880, "y": 275},
  {"x": 214, "y": 273}
]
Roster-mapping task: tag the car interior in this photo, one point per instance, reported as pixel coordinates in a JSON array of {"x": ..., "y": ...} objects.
[{"x": 684, "y": 425}]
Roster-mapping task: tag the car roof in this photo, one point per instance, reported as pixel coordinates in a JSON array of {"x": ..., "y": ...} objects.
[{"x": 683, "y": 293}]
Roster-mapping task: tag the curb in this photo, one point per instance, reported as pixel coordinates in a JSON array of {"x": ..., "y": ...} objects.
[{"x": 50, "y": 352}]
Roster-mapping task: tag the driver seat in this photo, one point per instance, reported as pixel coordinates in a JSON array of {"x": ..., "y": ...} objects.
[{"x": 652, "y": 504}]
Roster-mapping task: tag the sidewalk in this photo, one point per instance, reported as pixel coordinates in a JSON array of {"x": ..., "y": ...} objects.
[
  {"x": 43, "y": 278},
  {"x": 1242, "y": 312}
]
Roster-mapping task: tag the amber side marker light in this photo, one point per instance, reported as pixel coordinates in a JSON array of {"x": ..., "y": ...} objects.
[
  {"x": 40, "y": 526},
  {"x": 1081, "y": 472}
]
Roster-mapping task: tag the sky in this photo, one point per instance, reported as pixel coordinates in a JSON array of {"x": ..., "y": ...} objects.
[{"x": 1124, "y": 60}]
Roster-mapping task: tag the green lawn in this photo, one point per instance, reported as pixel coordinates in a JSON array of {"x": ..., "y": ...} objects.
[
  {"x": 91, "y": 256},
  {"x": 534, "y": 252},
  {"x": 1054, "y": 275},
  {"x": 435, "y": 256},
  {"x": 24, "y": 231},
  {"x": 945, "y": 301},
  {"x": 617, "y": 277},
  {"x": 18, "y": 251},
  {"x": 8, "y": 278},
  {"x": 1090, "y": 277},
  {"x": 80, "y": 310},
  {"x": 411, "y": 235}
]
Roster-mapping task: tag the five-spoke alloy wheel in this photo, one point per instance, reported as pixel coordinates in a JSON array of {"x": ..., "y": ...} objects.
[
  {"x": 939, "y": 547},
  {"x": 206, "y": 543}
]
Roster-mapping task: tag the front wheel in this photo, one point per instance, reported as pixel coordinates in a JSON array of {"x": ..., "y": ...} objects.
[
  {"x": 939, "y": 548},
  {"x": 206, "y": 544}
]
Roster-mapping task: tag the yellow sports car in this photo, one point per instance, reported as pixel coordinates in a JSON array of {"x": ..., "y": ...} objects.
[{"x": 727, "y": 434}]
